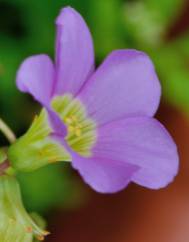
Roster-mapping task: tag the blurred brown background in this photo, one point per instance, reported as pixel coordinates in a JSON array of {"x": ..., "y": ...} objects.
[{"x": 135, "y": 214}]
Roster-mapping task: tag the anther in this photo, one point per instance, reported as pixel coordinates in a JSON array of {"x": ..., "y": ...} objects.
[
  {"x": 68, "y": 120},
  {"x": 74, "y": 118},
  {"x": 78, "y": 132},
  {"x": 70, "y": 128}
]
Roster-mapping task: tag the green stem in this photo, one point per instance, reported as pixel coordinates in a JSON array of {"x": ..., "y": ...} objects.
[{"x": 7, "y": 131}]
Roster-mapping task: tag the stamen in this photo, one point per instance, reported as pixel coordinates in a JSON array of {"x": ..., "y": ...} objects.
[
  {"x": 71, "y": 129},
  {"x": 68, "y": 120},
  {"x": 74, "y": 118},
  {"x": 78, "y": 132},
  {"x": 81, "y": 129}
]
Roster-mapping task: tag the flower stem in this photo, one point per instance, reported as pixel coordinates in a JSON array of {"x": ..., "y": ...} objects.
[{"x": 7, "y": 131}]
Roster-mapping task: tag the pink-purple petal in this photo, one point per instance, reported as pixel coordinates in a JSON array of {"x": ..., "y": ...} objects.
[
  {"x": 124, "y": 85},
  {"x": 36, "y": 76},
  {"x": 121, "y": 96},
  {"x": 58, "y": 127},
  {"x": 104, "y": 175},
  {"x": 74, "y": 52},
  {"x": 143, "y": 142}
]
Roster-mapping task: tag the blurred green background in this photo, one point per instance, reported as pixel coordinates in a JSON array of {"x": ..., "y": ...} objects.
[{"x": 27, "y": 28}]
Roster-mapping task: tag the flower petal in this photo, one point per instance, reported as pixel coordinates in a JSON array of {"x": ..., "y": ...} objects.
[
  {"x": 124, "y": 85},
  {"x": 58, "y": 127},
  {"x": 104, "y": 175},
  {"x": 74, "y": 52},
  {"x": 36, "y": 76},
  {"x": 143, "y": 142}
]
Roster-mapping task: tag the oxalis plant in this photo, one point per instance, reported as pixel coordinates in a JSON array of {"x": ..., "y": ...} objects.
[{"x": 101, "y": 121}]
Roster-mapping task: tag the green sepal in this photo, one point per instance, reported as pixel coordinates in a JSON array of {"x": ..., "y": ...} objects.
[
  {"x": 37, "y": 148},
  {"x": 15, "y": 223}
]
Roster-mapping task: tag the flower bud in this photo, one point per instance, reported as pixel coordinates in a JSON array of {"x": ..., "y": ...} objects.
[
  {"x": 15, "y": 223},
  {"x": 37, "y": 148}
]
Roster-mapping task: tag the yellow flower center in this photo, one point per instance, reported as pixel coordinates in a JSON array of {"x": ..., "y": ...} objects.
[{"x": 81, "y": 129}]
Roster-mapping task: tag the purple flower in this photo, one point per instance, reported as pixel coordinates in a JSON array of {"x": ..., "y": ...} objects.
[{"x": 104, "y": 117}]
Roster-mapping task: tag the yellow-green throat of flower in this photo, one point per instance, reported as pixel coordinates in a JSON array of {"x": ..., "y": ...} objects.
[
  {"x": 81, "y": 129},
  {"x": 37, "y": 148}
]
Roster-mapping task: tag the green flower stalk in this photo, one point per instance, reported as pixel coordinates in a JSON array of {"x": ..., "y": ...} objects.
[
  {"x": 7, "y": 131},
  {"x": 15, "y": 223}
]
